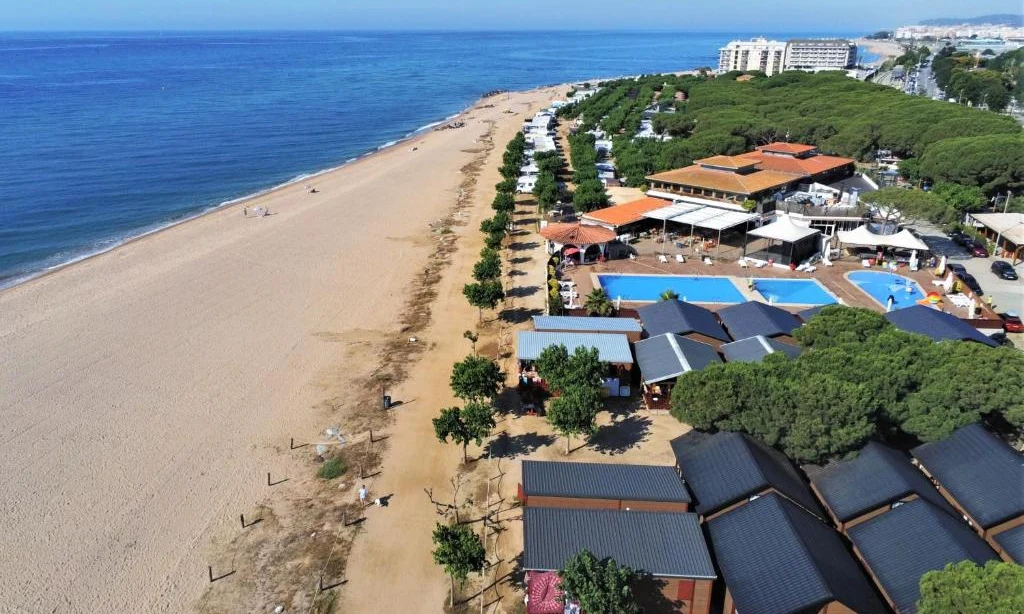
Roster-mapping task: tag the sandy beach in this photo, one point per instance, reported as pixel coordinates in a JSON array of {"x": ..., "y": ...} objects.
[
  {"x": 145, "y": 393},
  {"x": 885, "y": 49}
]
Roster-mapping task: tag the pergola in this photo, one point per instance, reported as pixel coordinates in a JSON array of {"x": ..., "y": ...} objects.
[
  {"x": 801, "y": 239},
  {"x": 701, "y": 216},
  {"x": 571, "y": 239}
]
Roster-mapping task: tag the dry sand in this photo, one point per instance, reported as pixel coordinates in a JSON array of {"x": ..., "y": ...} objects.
[
  {"x": 884, "y": 49},
  {"x": 146, "y": 392}
]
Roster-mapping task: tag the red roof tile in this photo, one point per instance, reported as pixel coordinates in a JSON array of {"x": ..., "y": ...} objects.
[
  {"x": 626, "y": 213},
  {"x": 576, "y": 234}
]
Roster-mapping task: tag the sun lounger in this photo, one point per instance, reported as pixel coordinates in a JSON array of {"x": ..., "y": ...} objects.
[
  {"x": 708, "y": 261},
  {"x": 632, "y": 256},
  {"x": 680, "y": 258},
  {"x": 662, "y": 259},
  {"x": 759, "y": 264},
  {"x": 743, "y": 263}
]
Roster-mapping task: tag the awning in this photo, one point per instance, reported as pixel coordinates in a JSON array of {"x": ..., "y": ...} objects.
[
  {"x": 571, "y": 251},
  {"x": 713, "y": 218},
  {"x": 670, "y": 211},
  {"x": 785, "y": 230},
  {"x": 862, "y": 236}
]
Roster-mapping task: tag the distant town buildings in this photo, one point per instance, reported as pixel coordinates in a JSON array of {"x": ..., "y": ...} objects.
[
  {"x": 1001, "y": 32},
  {"x": 772, "y": 57}
]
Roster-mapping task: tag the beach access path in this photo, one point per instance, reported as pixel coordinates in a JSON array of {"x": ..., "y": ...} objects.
[{"x": 146, "y": 392}]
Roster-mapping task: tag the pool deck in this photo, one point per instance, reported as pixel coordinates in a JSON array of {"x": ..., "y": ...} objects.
[{"x": 833, "y": 278}]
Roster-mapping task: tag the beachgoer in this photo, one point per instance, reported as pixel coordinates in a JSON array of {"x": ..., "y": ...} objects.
[
  {"x": 245, "y": 211},
  {"x": 362, "y": 494}
]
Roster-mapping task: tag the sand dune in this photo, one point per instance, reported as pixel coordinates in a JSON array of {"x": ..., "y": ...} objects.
[{"x": 142, "y": 391}]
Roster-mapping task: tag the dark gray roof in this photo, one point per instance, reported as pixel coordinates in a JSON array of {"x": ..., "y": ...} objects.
[
  {"x": 603, "y": 481},
  {"x": 777, "y": 559},
  {"x": 902, "y": 544},
  {"x": 938, "y": 325},
  {"x": 877, "y": 477},
  {"x": 723, "y": 468},
  {"x": 756, "y": 318},
  {"x": 807, "y": 314},
  {"x": 663, "y": 544},
  {"x": 680, "y": 318},
  {"x": 980, "y": 471},
  {"x": 1012, "y": 541},
  {"x": 754, "y": 349},
  {"x": 668, "y": 356}
]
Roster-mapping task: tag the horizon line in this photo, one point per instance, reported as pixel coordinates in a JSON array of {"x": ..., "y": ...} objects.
[{"x": 415, "y": 30}]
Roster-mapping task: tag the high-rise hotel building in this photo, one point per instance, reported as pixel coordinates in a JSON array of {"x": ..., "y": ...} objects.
[
  {"x": 772, "y": 57},
  {"x": 755, "y": 54}
]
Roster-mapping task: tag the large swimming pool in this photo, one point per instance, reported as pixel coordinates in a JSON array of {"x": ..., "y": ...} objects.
[
  {"x": 639, "y": 288},
  {"x": 879, "y": 285},
  {"x": 793, "y": 292}
]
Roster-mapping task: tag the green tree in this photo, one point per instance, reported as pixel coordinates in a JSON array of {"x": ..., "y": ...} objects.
[
  {"x": 669, "y": 295},
  {"x": 459, "y": 550},
  {"x": 484, "y": 295},
  {"x": 575, "y": 412},
  {"x": 995, "y": 163},
  {"x": 488, "y": 267},
  {"x": 966, "y": 588},
  {"x": 499, "y": 223},
  {"x": 597, "y": 303},
  {"x": 837, "y": 325},
  {"x": 470, "y": 424},
  {"x": 476, "y": 379},
  {"x": 504, "y": 201},
  {"x": 560, "y": 369},
  {"x": 600, "y": 586}
]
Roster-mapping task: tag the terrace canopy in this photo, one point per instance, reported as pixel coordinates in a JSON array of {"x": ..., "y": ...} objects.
[
  {"x": 861, "y": 235},
  {"x": 802, "y": 240},
  {"x": 701, "y": 216}
]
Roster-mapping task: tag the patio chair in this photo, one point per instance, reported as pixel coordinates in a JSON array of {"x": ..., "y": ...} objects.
[
  {"x": 743, "y": 263},
  {"x": 632, "y": 256},
  {"x": 680, "y": 258},
  {"x": 662, "y": 259},
  {"x": 708, "y": 261}
]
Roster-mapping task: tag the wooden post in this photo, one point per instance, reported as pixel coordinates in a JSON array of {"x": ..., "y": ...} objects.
[
  {"x": 291, "y": 444},
  {"x": 371, "y": 435},
  {"x": 268, "y": 479},
  {"x": 210, "y": 569},
  {"x": 242, "y": 518}
]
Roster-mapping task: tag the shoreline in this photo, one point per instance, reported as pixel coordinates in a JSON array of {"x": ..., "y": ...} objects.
[{"x": 227, "y": 204}]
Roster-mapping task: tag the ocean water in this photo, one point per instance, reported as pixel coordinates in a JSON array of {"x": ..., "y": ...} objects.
[{"x": 107, "y": 136}]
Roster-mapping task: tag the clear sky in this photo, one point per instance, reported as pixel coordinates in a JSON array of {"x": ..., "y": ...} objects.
[{"x": 710, "y": 15}]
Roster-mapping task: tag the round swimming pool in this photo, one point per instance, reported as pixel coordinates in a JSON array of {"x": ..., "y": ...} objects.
[{"x": 880, "y": 285}]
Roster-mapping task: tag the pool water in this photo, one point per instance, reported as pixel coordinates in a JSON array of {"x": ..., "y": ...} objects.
[
  {"x": 689, "y": 288},
  {"x": 881, "y": 285},
  {"x": 793, "y": 292}
]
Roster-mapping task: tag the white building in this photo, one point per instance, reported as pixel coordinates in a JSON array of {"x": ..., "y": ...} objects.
[
  {"x": 820, "y": 54},
  {"x": 755, "y": 54}
]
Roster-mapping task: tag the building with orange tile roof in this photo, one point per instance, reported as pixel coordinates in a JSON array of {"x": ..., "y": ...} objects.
[
  {"x": 756, "y": 175},
  {"x": 617, "y": 216},
  {"x": 576, "y": 241}
]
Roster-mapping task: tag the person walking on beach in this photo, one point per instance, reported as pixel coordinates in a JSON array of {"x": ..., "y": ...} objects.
[
  {"x": 245, "y": 211},
  {"x": 362, "y": 494}
]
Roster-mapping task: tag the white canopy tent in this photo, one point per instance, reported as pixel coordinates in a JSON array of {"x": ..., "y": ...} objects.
[
  {"x": 785, "y": 230},
  {"x": 903, "y": 239}
]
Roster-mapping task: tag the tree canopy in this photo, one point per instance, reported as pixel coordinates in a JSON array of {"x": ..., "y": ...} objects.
[
  {"x": 476, "y": 379},
  {"x": 462, "y": 426},
  {"x": 458, "y": 549},
  {"x": 966, "y": 588},
  {"x": 598, "y": 303},
  {"x": 600, "y": 586},
  {"x": 859, "y": 376},
  {"x": 577, "y": 379},
  {"x": 484, "y": 294}
]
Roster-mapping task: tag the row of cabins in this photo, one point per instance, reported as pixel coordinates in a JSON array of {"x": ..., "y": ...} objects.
[
  {"x": 540, "y": 137},
  {"x": 770, "y": 532},
  {"x": 670, "y": 338}
]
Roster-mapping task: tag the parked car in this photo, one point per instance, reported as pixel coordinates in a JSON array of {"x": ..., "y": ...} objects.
[
  {"x": 971, "y": 283},
  {"x": 977, "y": 249},
  {"x": 958, "y": 269},
  {"x": 960, "y": 238},
  {"x": 1004, "y": 270},
  {"x": 1012, "y": 322}
]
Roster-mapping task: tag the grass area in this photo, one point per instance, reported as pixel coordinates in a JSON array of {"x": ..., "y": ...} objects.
[{"x": 331, "y": 469}]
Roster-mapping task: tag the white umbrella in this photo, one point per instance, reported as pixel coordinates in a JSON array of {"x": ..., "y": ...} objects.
[
  {"x": 913, "y": 260},
  {"x": 971, "y": 307},
  {"x": 942, "y": 267},
  {"x": 947, "y": 284}
]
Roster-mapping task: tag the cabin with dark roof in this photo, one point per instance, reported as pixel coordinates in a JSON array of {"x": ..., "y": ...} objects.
[
  {"x": 726, "y": 470},
  {"x": 755, "y": 349},
  {"x": 662, "y": 359},
  {"x": 776, "y": 558},
  {"x": 912, "y": 539},
  {"x": 683, "y": 319},
  {"x": 603, "y": 486},
  {"x": 754, "y": 318},
  {"x": 668, "y": 546},
  {"x": 980, "y": 476},
  {"x": 878, "y": 480},
  {"x": 1010, "y": 544},
  {"x": 937, "y": 325}
]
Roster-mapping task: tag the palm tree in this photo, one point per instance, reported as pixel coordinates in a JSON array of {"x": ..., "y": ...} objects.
[
  {"x": 598, "y": 303},
  {"x": 669, "y": 295}
]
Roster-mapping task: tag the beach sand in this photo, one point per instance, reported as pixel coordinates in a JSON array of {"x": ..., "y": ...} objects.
[
  {"x": 883, "y": 48},
  {"x": 146, "y": 392}
]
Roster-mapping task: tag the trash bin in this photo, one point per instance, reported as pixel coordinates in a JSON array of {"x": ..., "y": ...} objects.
[{"x": 387, "y": 401}]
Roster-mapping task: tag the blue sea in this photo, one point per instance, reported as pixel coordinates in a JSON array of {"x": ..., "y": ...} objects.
[{"x": 104, "y": 137}]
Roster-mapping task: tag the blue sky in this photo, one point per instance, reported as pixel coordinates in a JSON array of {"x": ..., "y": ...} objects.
[{"x": 710, "y": 15}]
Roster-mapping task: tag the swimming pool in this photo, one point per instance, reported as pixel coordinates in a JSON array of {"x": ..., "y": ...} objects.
[
  {"x": 689, "y": 288},
  {"x": 793, "y": 292},
  {"x": 881, "y": 285}
]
